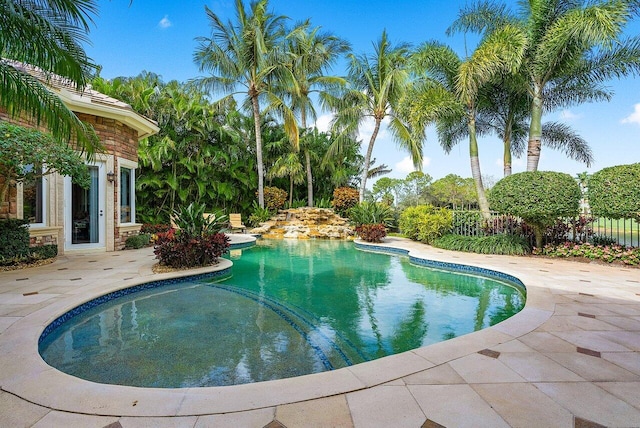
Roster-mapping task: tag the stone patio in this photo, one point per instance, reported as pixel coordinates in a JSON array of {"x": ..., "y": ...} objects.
[{"x": 571, "y": 358}]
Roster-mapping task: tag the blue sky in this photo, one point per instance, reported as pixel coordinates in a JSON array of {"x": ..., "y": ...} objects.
[{"x": 158, "y": 36}]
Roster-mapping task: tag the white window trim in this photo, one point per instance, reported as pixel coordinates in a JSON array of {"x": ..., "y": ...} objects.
[
  {"x": 45, "y": 203},
  {"x": 125, "y": 163}
]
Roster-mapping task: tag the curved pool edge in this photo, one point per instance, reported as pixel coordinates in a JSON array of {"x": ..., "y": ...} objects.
[{"x": 27, "y": 376}]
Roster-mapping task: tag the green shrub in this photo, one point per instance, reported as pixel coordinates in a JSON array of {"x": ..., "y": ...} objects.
[
  {"x": 137, "y": 241},
  {"x": 14, "y": 238},
  {"x": 192, "y": 222},
  {"x": 605, "y": 253},
  {"x": 494, "y": 244},
  {"x": 425, "y": 223},
  {"x": 614, "y": 192},
  {"x": 468, "y": 223},
  {"x": 274, "y": 198},
  {"x": 44, "y": 252},
  {"x": 344, "y": 198},
  {"x": 371, "y": 213},
  {"x": 259, "y": 215},
  {"x": 371, "y": 232},
  {"x": 323, "y": 203},
  {"x": 539, "y": 198},
  {"x": 152, "y": 229}
]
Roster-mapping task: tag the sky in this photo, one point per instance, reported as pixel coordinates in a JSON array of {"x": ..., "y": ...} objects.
[{"x": 160, "y": 36}]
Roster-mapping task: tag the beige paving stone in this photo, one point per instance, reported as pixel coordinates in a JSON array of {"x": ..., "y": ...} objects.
[
  {"x": 628, "y": 339},
  {"x": 588, "y": 401},
  {"x": 627, "y": 391},
  {"x": 443, "y": 352},
  {"x": 5, "y": 322},
  {"x": 175, "y": 422},
  {"x": 388, "y": 368},
  {"x": 627, "y": 360},
  {"x": 523, "y": 322},
  {"x": 546, "y": 342},
  {"x": 17, "y": 413},
  {"x": 573, "y": 322},
  {"x": 629, "y": 309},
  {"x": 592, "y": 368},
  {"x": 251, "y": 419},
  {"x": 593, "y": 340},
  {"x": 476, "y": 368},
  {"x": 64, "y": 419},
  {"x": 440, "y": 375},
  {"x": 523, "y": 405},
  {"x": 575, "y": 308},
  {"x": 386, "y": 406},
  {"x": 536, "y": 367},
  {"x": 324, "y": 412},
  {"x": 625, "y": 323},
  {"x": 456, "y": 406},
  {"x": 512, "y": 346}
]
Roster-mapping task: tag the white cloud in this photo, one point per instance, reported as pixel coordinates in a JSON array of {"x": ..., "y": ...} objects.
[
  {"x": 633, "y": 117},
  {"x": 323, "y": 122},
  {"x": 568, "y": 115},
  {"x": 405, "y": 166},
  {"x": 164, "y": 22}
]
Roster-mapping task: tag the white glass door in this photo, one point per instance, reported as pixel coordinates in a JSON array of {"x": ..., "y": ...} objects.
[{"x": 84, "y": 211}]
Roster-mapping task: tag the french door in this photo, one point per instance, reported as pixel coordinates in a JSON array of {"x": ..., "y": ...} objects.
[{"x": 85, "y": 211}]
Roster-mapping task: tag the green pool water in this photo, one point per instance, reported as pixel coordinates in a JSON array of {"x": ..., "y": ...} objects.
[{"x": 290, "y": 308}]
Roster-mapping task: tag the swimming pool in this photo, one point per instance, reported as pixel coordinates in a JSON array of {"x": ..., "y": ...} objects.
[{"x": 290, "y": 308}]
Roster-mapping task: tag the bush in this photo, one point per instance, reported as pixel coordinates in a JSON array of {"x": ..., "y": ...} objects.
[
  {"x": 495, "y": 244},
  {"x": 274, "y": 198},
  {"x": 371, "y": 213},
  {"x": 605, "y": 253},
  {"x": 153, "y": 229},
  {"x": 259, "y": 215},
  {"x": 467, "y": 223},
  {"x": 371, "y": 232},
  {"x": 539, "y": 198},
  {"x": 425, "y": 223},
  {"x": 44, "y": 252},
  {"x": 323, "y": 203},
  {"x": 614, "y": 192},
  {"x": 192, "y": 222},
  {"x": 137, "y": 241},
  {"x": 14, "y": 238},
  {"x": 344, "y": 198},
  {"x": 177, "y": 250}
]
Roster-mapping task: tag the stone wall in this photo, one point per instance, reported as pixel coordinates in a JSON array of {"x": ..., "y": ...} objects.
[{"x": 306, "y": 223}]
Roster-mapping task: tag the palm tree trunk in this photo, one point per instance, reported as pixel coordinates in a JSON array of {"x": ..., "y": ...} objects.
[
  {"x": 367, "y": 159},
  {"x": 535, "y": 130},
  {"x": 290, "y": 191},
  {"x": 307, "y": 162},
  {"x": 475, "y": 168},
  {"x": 256, "y": 119},
  {"x": 507, "y": 160}
]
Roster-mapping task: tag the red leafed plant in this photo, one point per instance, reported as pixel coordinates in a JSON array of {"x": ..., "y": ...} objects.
[{"x": 371, "y": 232}]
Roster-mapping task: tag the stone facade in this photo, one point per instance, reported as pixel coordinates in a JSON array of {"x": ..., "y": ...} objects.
[{"x": 306, "y": 223}]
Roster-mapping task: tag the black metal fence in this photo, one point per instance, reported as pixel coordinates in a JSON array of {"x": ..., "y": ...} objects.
[{"x": 583, "y": 228}]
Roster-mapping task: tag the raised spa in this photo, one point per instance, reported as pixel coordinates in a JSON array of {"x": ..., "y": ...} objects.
[{"x": 290, "y": 308}]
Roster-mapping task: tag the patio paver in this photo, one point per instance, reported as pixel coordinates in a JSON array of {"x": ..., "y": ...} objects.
[{"x": 572, "y": 355}]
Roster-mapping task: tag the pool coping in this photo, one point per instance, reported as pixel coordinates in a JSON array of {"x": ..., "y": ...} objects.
[{"x": 25, "y": 375}]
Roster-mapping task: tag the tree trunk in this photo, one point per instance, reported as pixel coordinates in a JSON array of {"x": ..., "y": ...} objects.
[
  {"x": 256, "y": 119},
  {"x": 475, "y": 168},
  {"x": 307, "y": 162},
  {"x": 507, "y": 160},
  {"x": 290, "y": 191},
  {"x": 367, "y": 159},
  {"x": 535, "y": 130}
]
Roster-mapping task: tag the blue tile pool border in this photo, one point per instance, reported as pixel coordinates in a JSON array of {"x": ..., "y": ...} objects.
[
  {"x": 455, "y": 267},
  {"x": 125, "y": 292}
]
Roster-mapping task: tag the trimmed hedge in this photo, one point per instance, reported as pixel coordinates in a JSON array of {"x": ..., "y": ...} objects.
[
  {"x": 137, "y": 241},
  {"x": 614, "y": 192},
  {"x": 425, "y": 223},
  {"x": 14, "y": 238}
]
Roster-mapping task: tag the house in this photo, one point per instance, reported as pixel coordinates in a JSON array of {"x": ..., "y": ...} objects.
[{"x": 100, "y": 217}]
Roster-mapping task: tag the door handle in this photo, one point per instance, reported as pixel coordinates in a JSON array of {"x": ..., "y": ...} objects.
[{"x": 100, "y": 213}]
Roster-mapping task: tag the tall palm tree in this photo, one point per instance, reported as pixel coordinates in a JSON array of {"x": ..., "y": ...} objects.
[
  {"x": 312, "y": 53},
  {"x": 58, "y": 28},
  {"x": 451, "y": 86},
  {"x": 377, "y": 84},
  {"x": 288, "y": 165},
  {"x": 572, "y": 47},
  {"x": 248, "y": 54}
]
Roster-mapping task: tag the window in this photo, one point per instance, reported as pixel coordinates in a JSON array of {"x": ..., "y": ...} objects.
[
  {"x": 34, "y": 200},
  {"x": 127, "y": 195}
]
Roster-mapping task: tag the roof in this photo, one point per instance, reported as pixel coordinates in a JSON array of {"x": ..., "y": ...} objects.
[{"x": 90, "y": 101}]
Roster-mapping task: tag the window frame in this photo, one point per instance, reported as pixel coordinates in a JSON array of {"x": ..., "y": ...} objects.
[
  {"x": 44, "y": 195},
  {"x": 131, "y": 166}
]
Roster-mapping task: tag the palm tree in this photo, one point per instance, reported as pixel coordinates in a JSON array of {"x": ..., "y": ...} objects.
[
  {"x": 377, "y": 84},
  {"x": 247, "y": 54},
  {"x": 450, "y": 90},
  {"x": 312, "y": 54},
  {"x": 58, "y": 28},
  {"x": 573, "y": 46},
  {"x": 289, "y": 165}
]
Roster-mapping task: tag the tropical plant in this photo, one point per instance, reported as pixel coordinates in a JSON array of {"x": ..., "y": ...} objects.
[
  {"x": 504, "y": 244},
  {"x": 288, "y": 165},
  {"x": 425, "y": 223},
  {"x": 343, "y": 199},
  {"x": 372, "y": 232},
  {"x": 449, "y": 90},
  {"x": 312, "y": 53},
  {"x": 193, "y": 221},
  {"x": 248, "y": 54},
  {"x": 274, "y": 198},
  {"x": 614, "y": 192},
  {"x": 179, "y": 251},
  {"x": 259, "y": 215},
  {"x": 371, "y": 213},
  {"x": 137, "y": 241},
  {"x": 377, "y": 83},
  {"x": 539, "y": 198},
  {"x": 49, "y": 35},
  {"x": 14, "y": 238}
]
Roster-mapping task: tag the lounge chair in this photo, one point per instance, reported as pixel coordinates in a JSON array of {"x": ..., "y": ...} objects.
[{"x": 235, "y": 223}]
